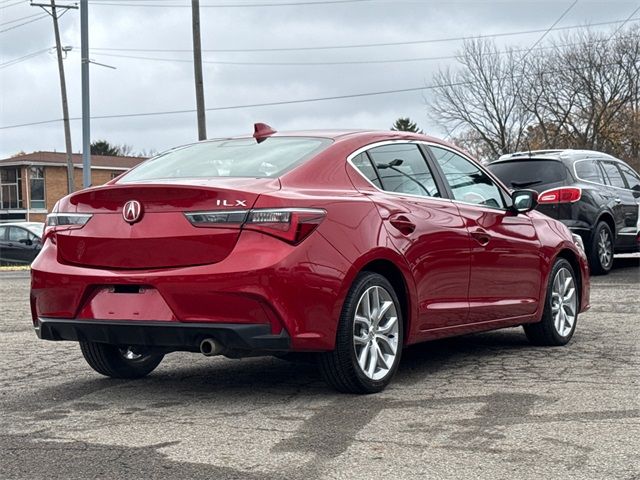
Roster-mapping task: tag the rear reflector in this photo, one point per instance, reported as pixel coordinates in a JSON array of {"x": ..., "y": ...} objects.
[
  {"x": 560, "y": 195},
  {"x": 289, "y": 224}
]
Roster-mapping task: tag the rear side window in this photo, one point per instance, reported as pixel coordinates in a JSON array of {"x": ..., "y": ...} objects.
[
  {"x": 3, "y": 233},
  {"x": 633, "y": 179},
  {"x": 529, "y": 173},
  {"x": 589, "y": 170},
  {"x": 403, "y": 169},
  {"x": 229, "y": 158},
  {"x": 613, "y": 175},
  {"x": 363, "y": 164}
]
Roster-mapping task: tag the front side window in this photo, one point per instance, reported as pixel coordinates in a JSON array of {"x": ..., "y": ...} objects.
[
  {"x": 403, "y": 169},
  {"x": 243, "y": 157},
  {"x": 633, "y": 179},
  {"x": 468, "y": 183},
  {"x": 590, "y": 171},
  {"x": 36, "y": 187},
  {"x": 613, "y": 175},
  {"x": 17, "y": 234}
]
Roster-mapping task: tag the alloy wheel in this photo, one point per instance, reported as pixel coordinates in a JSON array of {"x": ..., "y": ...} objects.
[
  {"x": 375, "y": 332},
  {"x": 564, "y": 302},
  {"x": 605, "y": 248}
]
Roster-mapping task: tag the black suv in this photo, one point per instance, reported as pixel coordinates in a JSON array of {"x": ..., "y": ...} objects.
[{"x": 594, "y": 194}]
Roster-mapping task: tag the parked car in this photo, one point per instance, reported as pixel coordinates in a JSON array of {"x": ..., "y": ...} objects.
[
  {"x": 594, "y": 194},
  {"x": 348, "y": 245},
  {"x": 20, "y": 242}
]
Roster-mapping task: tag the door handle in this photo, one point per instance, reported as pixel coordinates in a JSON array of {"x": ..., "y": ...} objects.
[
  {"x": 402, "y": 224},
  {"x": 481, "y": 236}
]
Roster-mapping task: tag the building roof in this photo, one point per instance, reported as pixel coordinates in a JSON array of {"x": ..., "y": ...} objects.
[{"x": 60, "y": 159}]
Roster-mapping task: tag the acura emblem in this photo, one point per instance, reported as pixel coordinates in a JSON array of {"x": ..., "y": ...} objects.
[{"x": 132, "y": 211}]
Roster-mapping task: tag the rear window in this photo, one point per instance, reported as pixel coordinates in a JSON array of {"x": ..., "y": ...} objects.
[
  {"x": 529, "y": 173},
  {"x": 229, "y": 158}
]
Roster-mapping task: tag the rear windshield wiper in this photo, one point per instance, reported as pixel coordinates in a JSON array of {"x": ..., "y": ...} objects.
[{"x": 525, "y": 184}]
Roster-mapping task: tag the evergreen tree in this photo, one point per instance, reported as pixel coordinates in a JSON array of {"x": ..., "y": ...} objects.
[{"x": 406, "y": 125}]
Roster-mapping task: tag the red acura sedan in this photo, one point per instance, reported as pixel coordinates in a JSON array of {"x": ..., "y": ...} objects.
[{"x": 347, "y": 244}]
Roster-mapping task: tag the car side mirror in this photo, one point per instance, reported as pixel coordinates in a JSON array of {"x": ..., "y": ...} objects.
[
  {"x": 26, "y": 241},
  {"x": 524, "y": 200}
]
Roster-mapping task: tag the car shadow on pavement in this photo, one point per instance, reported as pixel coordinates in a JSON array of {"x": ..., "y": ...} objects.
[{"x": 270, "y": 379}]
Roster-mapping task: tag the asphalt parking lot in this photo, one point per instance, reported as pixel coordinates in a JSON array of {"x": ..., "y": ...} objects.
[{"x": 481, "y": 406}]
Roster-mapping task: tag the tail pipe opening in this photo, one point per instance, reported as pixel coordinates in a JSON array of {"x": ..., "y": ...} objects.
[{"x": 210, "y": 347}]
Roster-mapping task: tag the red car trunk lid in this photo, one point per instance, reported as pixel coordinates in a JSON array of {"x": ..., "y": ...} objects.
[{"x": 162, "y": 237}]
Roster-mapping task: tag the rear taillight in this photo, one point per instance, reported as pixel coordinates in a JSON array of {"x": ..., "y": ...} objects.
[
  {"x": 218, "y": 218},
  {"x": 560, "y": 195},
  {"x": 289, "y": 224},
  {"x": 56, "y": 222}
]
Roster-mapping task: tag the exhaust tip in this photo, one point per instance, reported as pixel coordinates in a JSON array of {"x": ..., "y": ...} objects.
[{"x": 210, "y": 347}]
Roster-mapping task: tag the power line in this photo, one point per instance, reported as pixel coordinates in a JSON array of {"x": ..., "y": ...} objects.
[
  {"x": 233, "y": 107},
  {"x": 546, "y": 32},
  {"x": 346, "y": 62},
  {"x": 25, "y": 23},
  {"x": 230, "y": 5},
  {"x": 624, "y": 23},
  {"x": 268, "y": 104},
  {"x": 364, "y": 45},
  {"x": 13, "y": 4},
  {"x": 23, "y": 58},
  {"x": 19, "y": 19}
]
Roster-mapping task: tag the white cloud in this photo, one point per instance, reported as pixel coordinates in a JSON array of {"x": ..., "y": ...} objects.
[{"x": 30, "y": 89}]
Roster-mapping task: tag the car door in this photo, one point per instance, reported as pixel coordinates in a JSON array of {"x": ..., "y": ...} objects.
[
  {"x": 631, "y": 204},
  {"x": 623, "y": 204},
  {"x": 505, "y": 279},
  {"x": 425, "y": 227},
  {"x": 3, "y": 244},
  {"x": 20, "y": 246}
]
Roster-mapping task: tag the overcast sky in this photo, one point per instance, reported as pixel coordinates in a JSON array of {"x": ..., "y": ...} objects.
[{"x": 30, "y": 90}]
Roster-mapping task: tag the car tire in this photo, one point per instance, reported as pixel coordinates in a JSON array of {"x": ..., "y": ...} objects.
[
  {"x": 560, "y": 314},
  {"x": 115, "y": 362},
  {"x": 368, "y": 346},
  {"x": 601, "y": 249}
]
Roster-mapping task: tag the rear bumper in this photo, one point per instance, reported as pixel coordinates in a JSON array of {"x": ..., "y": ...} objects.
[
  {"x": 171, "y": 336},
  {"x": 264, "y": 282}
]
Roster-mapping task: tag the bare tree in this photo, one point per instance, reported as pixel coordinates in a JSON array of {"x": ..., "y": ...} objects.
[
  {"x": 577, "y": 91},
  {"x": 583, "y": 92},
  {"x": 482, "y": 96}
]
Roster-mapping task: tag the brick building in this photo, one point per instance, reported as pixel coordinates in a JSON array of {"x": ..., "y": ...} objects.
[{"x": 31, "y": 184}]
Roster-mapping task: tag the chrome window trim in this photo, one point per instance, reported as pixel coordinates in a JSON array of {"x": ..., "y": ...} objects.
[
  {"x": 382, "y": 143},
  {"x": 599, "y": 159}
]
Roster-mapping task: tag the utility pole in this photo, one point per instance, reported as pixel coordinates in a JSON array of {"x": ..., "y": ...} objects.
[
  {"x": 197, "y": 67},
  {"x": 86, "y": 107},
  {"x": 63, "y": 85}
]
